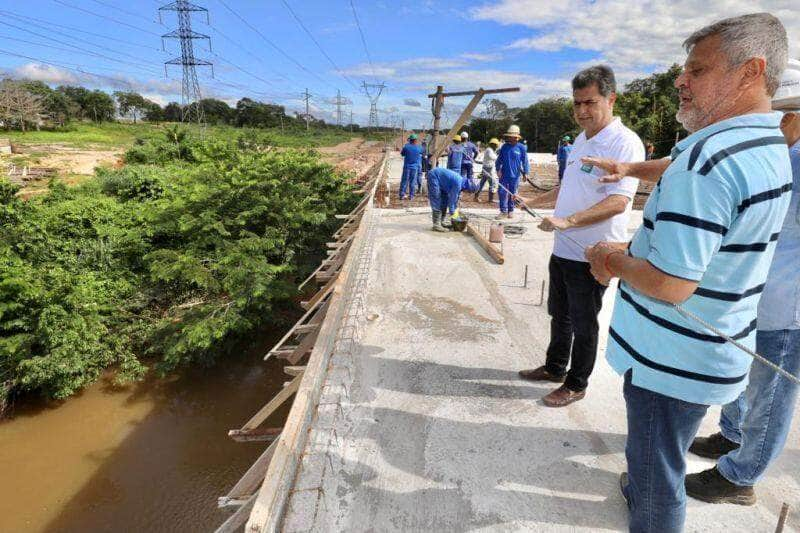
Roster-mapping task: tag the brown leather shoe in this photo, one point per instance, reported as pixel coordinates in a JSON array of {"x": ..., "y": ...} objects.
[
  {"x": 541, "y": 374},
  {"x": 562, "y": 397}
]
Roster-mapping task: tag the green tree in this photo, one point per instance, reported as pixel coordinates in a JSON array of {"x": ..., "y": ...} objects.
[
  {"x": 256, "y": 114},
  {"x": 544, "y": 123},
  {"x": 173, "y": 112},
  {"x": 131, "y": 103}
]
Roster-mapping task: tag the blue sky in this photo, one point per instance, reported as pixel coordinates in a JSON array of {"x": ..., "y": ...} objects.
[{"x": 413, "y": 46}]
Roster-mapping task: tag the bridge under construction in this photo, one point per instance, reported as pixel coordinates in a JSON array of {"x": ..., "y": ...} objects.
[{"x": 408, "y": 414}]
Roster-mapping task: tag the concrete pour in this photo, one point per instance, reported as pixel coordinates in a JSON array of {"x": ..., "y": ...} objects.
[{"x": 430, "y": 429}]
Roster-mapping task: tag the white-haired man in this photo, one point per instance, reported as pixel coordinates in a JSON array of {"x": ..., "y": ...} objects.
[{"x": 724, "y": 194}]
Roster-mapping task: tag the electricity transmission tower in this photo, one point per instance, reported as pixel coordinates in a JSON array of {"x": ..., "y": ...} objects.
[
  {"x": 191, "y": 111},
  {"x": 307, "y": 97},
  {"x": 373, "y": 92},
  {"x": 339, "y": 101}
]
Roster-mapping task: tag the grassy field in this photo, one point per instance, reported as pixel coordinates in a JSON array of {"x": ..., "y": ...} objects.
[{"x": 84, "y": 135}]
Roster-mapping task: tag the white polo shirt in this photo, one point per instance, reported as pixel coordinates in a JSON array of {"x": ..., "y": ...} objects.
[{"x": 580, "y": 189}]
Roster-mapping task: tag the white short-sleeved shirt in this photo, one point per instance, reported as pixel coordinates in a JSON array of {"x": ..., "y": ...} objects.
[{"x": 580, "y": 189}]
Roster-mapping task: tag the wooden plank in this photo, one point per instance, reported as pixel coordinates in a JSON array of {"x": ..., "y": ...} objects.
[
  {"x": 305, "y": 328},
  {"x": 250, "y": 481},
  {"x": 238, "y": 518},
  {"x": 490, "y": 248},
  {"x": 294, "y": 370},
  {"x": 305, "y": 347},
  {"x": 273, "y": 405},
  {"x": 255, "y": 435},
  {"x": 307, "y": 317},
  {"x": 322, "y": 293},
  {"x": 270, "y": 506}
]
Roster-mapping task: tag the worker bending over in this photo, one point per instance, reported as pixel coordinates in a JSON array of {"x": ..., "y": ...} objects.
[
  {"x": 444, "y": 190},
  {"x": 512, "y": 163},
  {"x": 412, "y": 167},
  {"x": 470, "y": 152}
]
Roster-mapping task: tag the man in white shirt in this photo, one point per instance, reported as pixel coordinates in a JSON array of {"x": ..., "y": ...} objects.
[{"x": 587, "y": 212}]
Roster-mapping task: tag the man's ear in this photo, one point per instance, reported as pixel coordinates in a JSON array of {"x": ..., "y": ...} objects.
[
  {"x": 612, "y": 98},
  {"x": 753, "y": 69}
]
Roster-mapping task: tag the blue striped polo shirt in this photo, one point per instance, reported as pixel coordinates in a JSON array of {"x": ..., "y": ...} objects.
[{"x": 713, "y": 218}]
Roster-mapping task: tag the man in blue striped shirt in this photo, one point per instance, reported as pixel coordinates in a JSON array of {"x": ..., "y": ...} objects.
[{"x": 706, "y": 243}]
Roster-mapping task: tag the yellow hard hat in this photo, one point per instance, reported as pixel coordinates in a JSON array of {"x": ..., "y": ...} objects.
[
  {"x": 457, "y": 137},
  {"x": 494, "y": 141}
]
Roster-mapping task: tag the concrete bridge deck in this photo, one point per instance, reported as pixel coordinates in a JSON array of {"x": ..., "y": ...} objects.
[{"x": 423, "y": 424}]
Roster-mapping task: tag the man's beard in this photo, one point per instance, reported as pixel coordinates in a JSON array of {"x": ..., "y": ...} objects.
[{"x": 690, "y": 119}]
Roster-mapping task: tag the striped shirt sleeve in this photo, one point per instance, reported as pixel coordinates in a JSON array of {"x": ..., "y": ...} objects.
[{"x": 693, "y": 215}]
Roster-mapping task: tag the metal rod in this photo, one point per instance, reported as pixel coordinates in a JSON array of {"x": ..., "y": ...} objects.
[
  {"x": 761, "y": 359},
  {"x": 783, "y": 517},
  {"x": 526, "y": 277},
  {"x": 541, "y": 297}
]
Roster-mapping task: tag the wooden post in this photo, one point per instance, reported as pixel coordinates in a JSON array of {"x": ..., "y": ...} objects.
[
  {"x": 438, "y": 103},
  {"x": 490, "y": 248}
]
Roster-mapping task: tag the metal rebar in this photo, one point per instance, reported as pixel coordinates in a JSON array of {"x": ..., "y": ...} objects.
[
  {"x": 541, "y": 297},
  {"x": 525, "y": 284},
  {"x": 782, "y": 520}
]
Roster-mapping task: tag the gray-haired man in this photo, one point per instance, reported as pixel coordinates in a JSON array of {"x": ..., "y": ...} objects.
[{"x": 724, "y": 193}]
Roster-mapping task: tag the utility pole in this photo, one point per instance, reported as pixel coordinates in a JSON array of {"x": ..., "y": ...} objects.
[
  {"x": 307, "y": 97},
  {"x": 438, "y": 104},
  {"x": 351, "y": 120},
  {"x": 192, "y": 110},
  {"x": 373, "y": 92}
]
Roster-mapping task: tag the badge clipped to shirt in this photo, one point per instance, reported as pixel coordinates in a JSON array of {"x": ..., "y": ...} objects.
[{"x": 587, "y": 168}]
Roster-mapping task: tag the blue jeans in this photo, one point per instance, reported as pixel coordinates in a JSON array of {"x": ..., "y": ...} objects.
[
  {"x": 467, "y": 171},
  {"x": 408, "y": 181},
  {"x": 660, "y": 430},
  {"x": 418, "y": 181},
  {"x": 759, "y": 420},
  {"x": 506, "y": 202}
]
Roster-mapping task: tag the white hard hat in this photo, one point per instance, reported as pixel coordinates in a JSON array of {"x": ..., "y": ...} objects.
[
  {"x": 464, "y": 135},
  {"x": 788, "y": 94},
  {"x": 513, "y": 131}
]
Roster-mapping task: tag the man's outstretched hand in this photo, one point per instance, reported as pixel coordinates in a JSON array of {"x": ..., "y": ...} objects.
[{"x": 615, "y": 170}]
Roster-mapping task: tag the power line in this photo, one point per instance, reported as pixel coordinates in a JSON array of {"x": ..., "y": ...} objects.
[
  {"x": 272, "y": 44},
  {"x": 79, "y": 70},
  {"x": 363, "y": 40},
  {"x": 27, "y": 19},
  {"x": 25, "y": 30},
  {"x": 9, "y": 38},
  {"x": 74, "y": 47},
  {"x": 248, "y": 52},
  {"x": 319, "y": 46},
  {"x": 122, "y": 10},
  {"x": 137, "y": 28}
]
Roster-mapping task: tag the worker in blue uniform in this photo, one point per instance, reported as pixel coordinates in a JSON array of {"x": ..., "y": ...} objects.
[
  {"x": 512, "y": 162},
  {"x": 470, "y": 152},
  {"x": 444, "y": 191},
  {"x": 455, "y": 155},
  {"x": 412, "y": 166},
  {"x": 564, "y": 148}
]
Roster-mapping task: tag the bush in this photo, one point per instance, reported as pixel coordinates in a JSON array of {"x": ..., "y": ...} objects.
[{"x": 156, "y": 265}]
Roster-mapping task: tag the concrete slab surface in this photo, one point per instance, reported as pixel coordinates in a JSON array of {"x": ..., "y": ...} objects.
[{"x": 426, "y": 426}]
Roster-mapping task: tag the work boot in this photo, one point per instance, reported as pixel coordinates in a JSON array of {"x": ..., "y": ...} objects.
[
  {"x": 510, "y": 215},
  {"x": 477, "y": 198},
  {"x": 501, "y": 216},
  {"x": 437, "y": 221},
  {"x": 447, "y": 219},
  {"x": 491, "y": 197},
  {"x": 712, "y": 487},
  {"x": 563, "y": 396},
  {"x": 541, "y": 374},
  {"x": 712, "y": 447}
]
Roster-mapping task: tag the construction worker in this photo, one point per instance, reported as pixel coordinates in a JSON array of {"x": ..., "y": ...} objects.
[
  {"x": 564, "y": 148},
  {"x": 444, "y": 191},
  {"x": 412, "y": 166},
  {"x": 488, "y": 172},
  {"x": 470, "y": 152},
  {"x": 455, "y": 154},
  {"x": 706, "y": 245},
  {"x": 511, "y": 163}
]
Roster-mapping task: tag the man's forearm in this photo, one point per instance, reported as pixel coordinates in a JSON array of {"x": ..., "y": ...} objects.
[
  {"x": 602, "y": 210},
  {"x": 648, "y": 170},
  {"x": 647, "y": 279}
]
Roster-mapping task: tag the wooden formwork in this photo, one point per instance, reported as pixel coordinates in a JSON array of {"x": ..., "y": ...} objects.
[{"x": 262, "y": 493}]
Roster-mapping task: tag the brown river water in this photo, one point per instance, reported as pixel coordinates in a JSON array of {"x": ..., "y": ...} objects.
[{"x": 149, "y": 457}]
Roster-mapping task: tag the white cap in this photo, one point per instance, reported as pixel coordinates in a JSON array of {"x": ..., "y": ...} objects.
[
  {"x": 464, "y": 135},
  {"x": 788, "y": 94}
]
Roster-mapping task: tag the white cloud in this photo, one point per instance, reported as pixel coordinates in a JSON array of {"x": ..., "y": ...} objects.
[
  {"x": 632, "y": 36},
  {"x": 45, "y": 73}
]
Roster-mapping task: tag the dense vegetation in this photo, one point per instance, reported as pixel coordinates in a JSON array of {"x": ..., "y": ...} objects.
[
  {"x": 158, "y": 264},
  {"x": 646, "y": 105}
]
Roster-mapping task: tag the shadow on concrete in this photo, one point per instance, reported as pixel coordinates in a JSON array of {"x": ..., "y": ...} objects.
[{"x": 459, "y": 476}]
